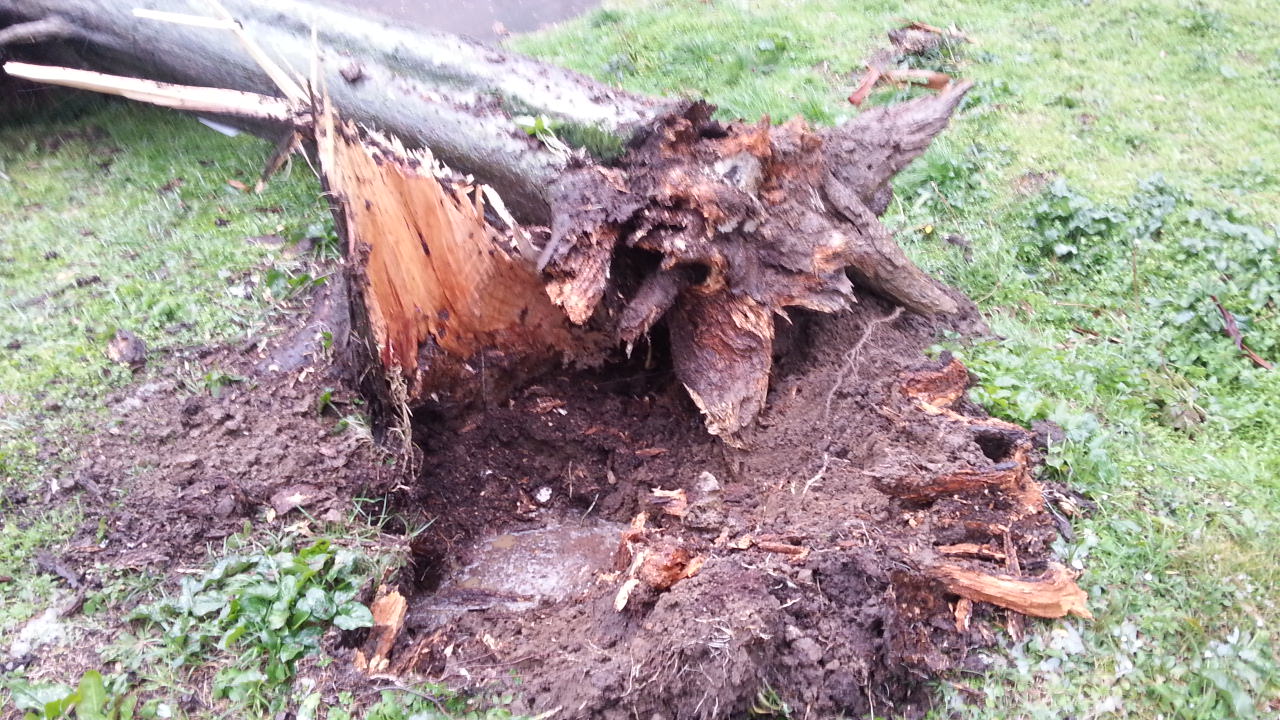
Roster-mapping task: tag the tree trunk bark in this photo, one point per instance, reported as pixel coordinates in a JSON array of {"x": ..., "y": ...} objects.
[
  {"x": 448, "y": 93},
  {"x": 715, "y": 228}
]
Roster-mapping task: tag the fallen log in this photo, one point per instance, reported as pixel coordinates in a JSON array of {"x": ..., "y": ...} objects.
[
  {"x": 711, "y": 229},
  {"x": 430, "y": 89}
]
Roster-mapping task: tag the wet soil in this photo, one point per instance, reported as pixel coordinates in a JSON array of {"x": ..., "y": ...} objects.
[
  {"x": 798, "y": 561},
  {"x": 803, "y": 555},
  {"x": 221, "y": 437}
]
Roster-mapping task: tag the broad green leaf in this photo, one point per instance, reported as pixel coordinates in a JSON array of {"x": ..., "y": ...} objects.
[
  {"x": 93, "y": 697},
  {"x": 353, "y": 615}
]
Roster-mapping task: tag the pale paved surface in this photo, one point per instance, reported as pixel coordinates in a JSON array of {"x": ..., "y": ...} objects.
[{"x": 474, "y": 18}]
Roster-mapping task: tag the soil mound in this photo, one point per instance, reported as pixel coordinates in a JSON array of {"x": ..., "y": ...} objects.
[
  {"x": 593, "y": 549},
  {"x": 818, "y": 559}
]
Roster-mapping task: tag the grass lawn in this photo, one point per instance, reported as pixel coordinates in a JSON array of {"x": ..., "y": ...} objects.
[
  {"x": 1113, "y": 173},
  {"x": 1110, "y": 174}
]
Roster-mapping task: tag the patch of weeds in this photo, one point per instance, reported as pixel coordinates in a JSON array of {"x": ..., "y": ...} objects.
[
  {"x": 1236, "y": 262},
  {"x": 255, "y": 615},
  {"x": 1201, "y": 19},
  {"x": 284, "y": 284},
  {"x": 1073, "y": 229},
  {"x": 217, "y": 380},
  {"x": 945, "y": 181},
  {"x": 421, "y": 702},
  {"x": 769, "y": 704}
]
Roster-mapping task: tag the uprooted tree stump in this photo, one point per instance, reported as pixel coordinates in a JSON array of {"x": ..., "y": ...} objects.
[{"x": 467, "y": 287}]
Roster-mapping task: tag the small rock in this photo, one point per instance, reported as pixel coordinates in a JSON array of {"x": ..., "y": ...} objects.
[
  {"x": 542, "y": 495},
  {"x": 189, "y": 460},
  {"x": 44, "y": 629},
  {"x": 294, "y": 496},
  {"x": 127, "y": 349},
  {"x": 707, "y": 483},
  {"x": 352, "y": 72},
  {"x": 808, "y": 649},
  {"x": 225, "y": 506}
]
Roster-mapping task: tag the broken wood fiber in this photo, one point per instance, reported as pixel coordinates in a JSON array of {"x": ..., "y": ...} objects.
[{"x": 1053, "y": 594}]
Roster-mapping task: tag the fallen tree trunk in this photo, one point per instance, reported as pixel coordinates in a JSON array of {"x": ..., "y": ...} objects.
[
  {"x": 716, "y": 228},
  {"x": 433, "y": 90}
]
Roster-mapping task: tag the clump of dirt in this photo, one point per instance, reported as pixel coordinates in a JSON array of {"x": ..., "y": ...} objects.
[
  {"x": 819, "y": 559},
  {"x": 588, "y": 537},
  {"x": 221, "y": 436}
]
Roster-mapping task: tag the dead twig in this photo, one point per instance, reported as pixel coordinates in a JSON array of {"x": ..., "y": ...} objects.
[{"x": 1232, "y": 329}]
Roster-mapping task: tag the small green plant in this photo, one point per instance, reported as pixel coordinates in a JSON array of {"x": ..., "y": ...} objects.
[
  {"x": 216, "y": 380},
  {"x": 769, "y": 704},
  {"x": 92, "y": 699},
  {"x": 259, "y": 614},
  {"x": 944, "y": 182},
  {"x": 284, "y": 284}
]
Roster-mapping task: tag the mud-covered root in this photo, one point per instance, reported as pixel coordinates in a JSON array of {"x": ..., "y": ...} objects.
[{"x": 720, "y": 228}]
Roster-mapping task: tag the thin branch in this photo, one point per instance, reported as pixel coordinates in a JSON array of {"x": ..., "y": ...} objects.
[
  {"x": 179, "y": 97},
  {"x": 50, "y": 28},
  {"x": 185, "y": 19},
  {"x": 288, "y": 87}
]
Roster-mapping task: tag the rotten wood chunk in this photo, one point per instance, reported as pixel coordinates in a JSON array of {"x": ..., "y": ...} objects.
[
  {"x": 973, "y": 550},
  {"x": 1012, "y": 477},
  {"x": 1052, "y": 595},
  {"x": 722, "y": 348},
  {"x": 671, "y": 502},
  {"x": 934, "y": 391},
  {"x": 447, "y": 302},
  {"x": 940, "y": 387},
  {"x": 651, "y": 560}
]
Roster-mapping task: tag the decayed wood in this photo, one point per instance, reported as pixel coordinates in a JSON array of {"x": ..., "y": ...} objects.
[
  {"x": 389, "y": 610},
  {"x": 745, "y": 221},
  {"x": 1052, "y": 595}
]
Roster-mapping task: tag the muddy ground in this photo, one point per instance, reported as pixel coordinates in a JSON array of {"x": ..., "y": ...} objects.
[{"x": 801, "y": 561}]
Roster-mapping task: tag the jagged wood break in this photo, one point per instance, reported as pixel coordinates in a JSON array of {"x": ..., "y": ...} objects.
[{"x": 447, "y": 301}]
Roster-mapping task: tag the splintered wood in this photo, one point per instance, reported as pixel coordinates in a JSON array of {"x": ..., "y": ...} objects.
[
  {"x": 450, "y": 303},
  {"x": 1051, "y": 595},
  {"x": 388, "y": 610}
]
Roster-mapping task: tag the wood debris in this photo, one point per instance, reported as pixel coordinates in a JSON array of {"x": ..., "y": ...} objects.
[
  {"x": 1053, "y": 594},
  {"x": 388, "y": 609}
]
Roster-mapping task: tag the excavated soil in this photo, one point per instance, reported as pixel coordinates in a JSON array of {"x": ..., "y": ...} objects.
[
  {"x": 799, "y": 561},
  {"x": 217, "y": 438}
]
